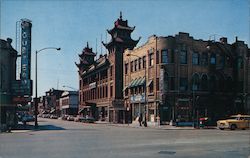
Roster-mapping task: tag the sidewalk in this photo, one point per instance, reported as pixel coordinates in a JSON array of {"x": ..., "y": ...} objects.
[{"x": 153, "y": 126}]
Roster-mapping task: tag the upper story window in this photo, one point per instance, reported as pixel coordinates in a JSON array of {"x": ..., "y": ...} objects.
[
  {"x": 183, "y": 57},
  {"x": 126, "y": 68},
  {"x": 204, "y": 59},
  {"x": 139, "y": 63},
  {"x": 213, "y": 59},
  {"x": 157, "y": 57},
  {"x": 80, "y": 84},
  {"x": 164, "y": 56},
  {"x": 111, "y": 70},
  {"x": 171, "y": 56},
  {"x": 183, "y": 84},
  {"x": 111, "y": 91},
  {"x": 131, "y": 66},
  {"x": 151, "y": 59},
  {"x": 195, "y": 82},
  {"x": 151, "y": 87},
  {"x": 135, "y": 65},
  {"x": 144, "y": 62},
  {"x": 195, "y": 58}
]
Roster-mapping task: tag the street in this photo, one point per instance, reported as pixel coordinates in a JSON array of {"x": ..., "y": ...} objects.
[{"x": 64, "y": 139}]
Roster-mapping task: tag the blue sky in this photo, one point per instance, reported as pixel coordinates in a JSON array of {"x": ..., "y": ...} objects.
[{"x": 69, "y": 24}]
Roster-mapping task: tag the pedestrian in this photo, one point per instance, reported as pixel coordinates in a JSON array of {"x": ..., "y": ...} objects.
[{"x": 140, "y": 119}]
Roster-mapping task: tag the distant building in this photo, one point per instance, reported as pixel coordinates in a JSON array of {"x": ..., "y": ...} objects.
[
  {"x": 52, "y": 101},
  {"x": 41, "y": 105},
  {"x": 8, "y": 57},
  {"x": 69, "y": 103},
  {"x": 101, "y": 81},
  {"x": 186, "y": 79}
]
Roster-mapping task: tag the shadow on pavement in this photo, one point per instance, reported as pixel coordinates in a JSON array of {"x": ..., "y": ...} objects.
[{"x": 40, "y": 127}]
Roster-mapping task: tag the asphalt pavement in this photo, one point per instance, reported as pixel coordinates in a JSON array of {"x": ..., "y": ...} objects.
[{"x": 64, "y": 139}]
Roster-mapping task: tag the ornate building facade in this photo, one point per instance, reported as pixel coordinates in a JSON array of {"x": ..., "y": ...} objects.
[
  {"x": 101, "y": 80},
  {"x": 174, "y": 78},
  {"x": 186, "y": 79}
]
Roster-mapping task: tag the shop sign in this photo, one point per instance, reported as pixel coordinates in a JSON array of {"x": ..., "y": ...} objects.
[
  {"x": 92, "y": 85},
  {"x": 26, "y": 56}
]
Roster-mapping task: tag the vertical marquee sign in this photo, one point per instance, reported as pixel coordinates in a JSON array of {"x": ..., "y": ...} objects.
[{"x": 26, "y": 82}]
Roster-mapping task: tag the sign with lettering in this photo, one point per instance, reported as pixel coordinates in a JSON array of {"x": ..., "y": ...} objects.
[
  {"x": 26, "y": 56},
  {"x": 92, "y": 85}
]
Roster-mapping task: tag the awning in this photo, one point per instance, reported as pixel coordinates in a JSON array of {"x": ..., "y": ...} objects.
[
  {"x": 80, "y": 111},
  {"x": 52, "y": 111},
  {"x": 45, "y": 112},
  {"x": 125, "y": 88},
  {"x": 141, "y": 82},
  {"x": 137, "y": 82},
  {"x": 131, "y": 83},
  {"x": 86, "y": 107},
  {"x": 149, "y": 82}
]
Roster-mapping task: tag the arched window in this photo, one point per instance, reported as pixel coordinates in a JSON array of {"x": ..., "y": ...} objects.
[
  {"x": 221, "y": 63},
  {"x": 204, "y": 82},
  {"x": 195, "y": 82},
  {"x": 240, "y": 63},
  {"x": 213, "y": 59}
]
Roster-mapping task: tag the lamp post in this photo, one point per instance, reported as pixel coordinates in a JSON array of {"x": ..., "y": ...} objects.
[
  {"x": 36, "y": 101},
  {"x": 145, "y": 89}
]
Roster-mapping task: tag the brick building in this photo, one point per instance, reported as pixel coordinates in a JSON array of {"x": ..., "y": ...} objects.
[
  {"x": 52, "y": 101},
  {"x": 186, "y": 79},
  {"x": 8, "y": 57},
  {"x": 69, "y": 103},
  {"x": 101, "y": 80}
]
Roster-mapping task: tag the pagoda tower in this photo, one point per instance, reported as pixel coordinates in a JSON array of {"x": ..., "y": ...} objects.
[
  {"x": 120, "y": 37},
  {"x": 120, "y": 40},
  {"x": 86, "y": 58}
]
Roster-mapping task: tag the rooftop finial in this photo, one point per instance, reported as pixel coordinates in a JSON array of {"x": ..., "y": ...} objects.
[
  {"x": 87, "y": 44},
  {"x": 120, "y": 15}
]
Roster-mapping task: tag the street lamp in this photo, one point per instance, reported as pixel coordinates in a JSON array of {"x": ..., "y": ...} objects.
[
  {"x": 145, "y": 89},
  {"x": 36, "y": 101}
]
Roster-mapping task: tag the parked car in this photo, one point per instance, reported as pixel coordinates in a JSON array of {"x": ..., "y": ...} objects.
[
  {"x": 235, "y": 122},
  {"x": 27, "y": 118},
  {"x": 46, "y": 115},
  {"x": 87, "y": 119},
  {"x": 54, "y": 117},
  {"x": 70, "y": 118},
  {"x": 78, "y": 119}
]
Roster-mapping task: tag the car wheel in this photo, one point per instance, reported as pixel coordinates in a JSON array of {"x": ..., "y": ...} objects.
[{"x": 233, "y": 127}]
